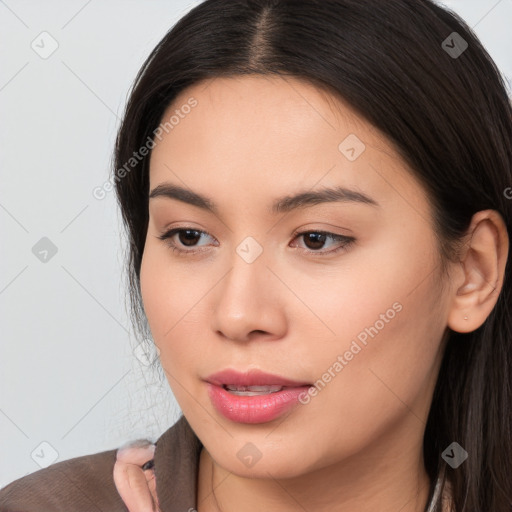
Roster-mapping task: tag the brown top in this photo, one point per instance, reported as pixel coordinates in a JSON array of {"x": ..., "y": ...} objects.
[{"x": 86, "y": 484}]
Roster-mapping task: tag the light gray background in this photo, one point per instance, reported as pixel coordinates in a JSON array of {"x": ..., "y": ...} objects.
[{"x": 71, "y": 375}]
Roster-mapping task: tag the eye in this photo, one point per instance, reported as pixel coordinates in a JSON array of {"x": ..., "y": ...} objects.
[
  {"x": 315, "y": 239},
  {"x": 188, "y": 237}
]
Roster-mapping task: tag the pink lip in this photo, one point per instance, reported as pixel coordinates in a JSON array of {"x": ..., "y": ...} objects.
[
  {"x": 253, "y": 409},
  {"x": 251, "y": 378}
]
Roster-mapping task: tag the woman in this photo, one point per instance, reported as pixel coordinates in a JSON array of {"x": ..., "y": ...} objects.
[{"x": 318, "y": 204}]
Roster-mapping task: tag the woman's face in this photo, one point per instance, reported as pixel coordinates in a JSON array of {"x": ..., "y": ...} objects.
[{"x": 360, "y": 312}]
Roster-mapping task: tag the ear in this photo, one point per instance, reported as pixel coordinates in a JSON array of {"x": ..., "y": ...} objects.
[{"x": 479, "y": 280}]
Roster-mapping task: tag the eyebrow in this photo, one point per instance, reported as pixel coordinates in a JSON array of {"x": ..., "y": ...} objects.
[{"x": 283, "y": 204}]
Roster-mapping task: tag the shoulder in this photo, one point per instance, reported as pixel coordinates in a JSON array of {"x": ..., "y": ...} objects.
[
  {"x": 81, "y": 484},
  {"x": 86, "y": 484}
]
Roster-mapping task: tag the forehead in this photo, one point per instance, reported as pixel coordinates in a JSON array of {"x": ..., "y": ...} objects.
[
  {"x": 267, "y": 105},
  {"x": 284, "y": 132}
]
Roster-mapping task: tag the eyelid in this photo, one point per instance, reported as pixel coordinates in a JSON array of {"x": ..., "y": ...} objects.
[
  {"x": 167, "y": 235},
  {"x": 346, "y": 240}
]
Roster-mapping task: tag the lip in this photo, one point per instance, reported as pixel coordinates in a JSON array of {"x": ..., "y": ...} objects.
[
  {"x": 252, "y": 378},
  {"x": 257, "y": 408}
]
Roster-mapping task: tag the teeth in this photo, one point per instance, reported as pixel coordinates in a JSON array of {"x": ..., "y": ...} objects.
[{"x": 252, "y": 390}]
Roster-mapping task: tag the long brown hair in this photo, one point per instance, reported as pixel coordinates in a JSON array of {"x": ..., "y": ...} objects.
[{"x": 445, "y": 108}]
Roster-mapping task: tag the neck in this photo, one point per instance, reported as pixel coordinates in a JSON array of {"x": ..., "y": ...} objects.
[{"x": 374, "y": 480}]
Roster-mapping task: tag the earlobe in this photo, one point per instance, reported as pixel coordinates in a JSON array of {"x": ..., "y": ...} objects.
[{"x": 483, "y": 266}]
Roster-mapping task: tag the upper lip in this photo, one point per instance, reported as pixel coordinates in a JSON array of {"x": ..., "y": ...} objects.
[{"x": 251, "y": 378}]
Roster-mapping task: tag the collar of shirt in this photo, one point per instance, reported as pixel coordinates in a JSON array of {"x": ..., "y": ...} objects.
[{"x": 176, "y": 466}]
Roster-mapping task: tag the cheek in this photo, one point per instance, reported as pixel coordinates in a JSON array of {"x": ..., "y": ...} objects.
[
  {"x": 165, "y": 290},
  {"x": 158, "y": 291},
  {"x": 389, "y": 379},
  {"x": 150, "y": 291},
  {"x": 173, "y": 297},
  {"x": 364, "y": 293},
  {"x": 385, "y": 320}
]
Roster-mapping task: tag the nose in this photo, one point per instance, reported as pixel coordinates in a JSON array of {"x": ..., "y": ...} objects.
[{"x": 249, "y": 302}]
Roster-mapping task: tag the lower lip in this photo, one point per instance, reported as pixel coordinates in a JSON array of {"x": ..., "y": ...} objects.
[{"x": 254, "y": 409}]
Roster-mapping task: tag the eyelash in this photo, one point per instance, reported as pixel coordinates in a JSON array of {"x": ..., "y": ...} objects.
[{"x": 347, "y": 241}]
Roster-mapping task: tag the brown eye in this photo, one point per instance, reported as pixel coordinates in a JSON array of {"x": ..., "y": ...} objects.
[
  {"x": 187, "y": 237},
  {"x": 315, "y": 240}
]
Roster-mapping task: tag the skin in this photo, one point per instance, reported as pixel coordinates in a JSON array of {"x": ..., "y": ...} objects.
[
  {"x": 137, "y": 487},
  {"x": 357, "y": 445}
]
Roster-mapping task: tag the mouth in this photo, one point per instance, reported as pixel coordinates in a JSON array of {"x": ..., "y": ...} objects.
[
  {"x": 252, "y": 380},
  {"x": 253, "y": 396},
  {"x": 254, "y": 404},
  {"x": 252, "y": 390}
]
